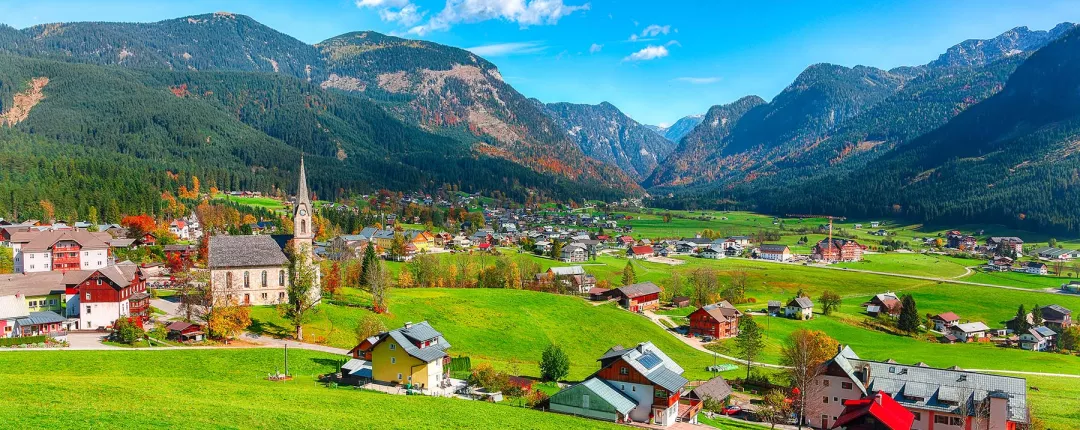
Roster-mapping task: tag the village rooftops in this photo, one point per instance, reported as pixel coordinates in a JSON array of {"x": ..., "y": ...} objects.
[
  {"x": 43, "y": 317},
  {"x": 411, "y": 335},
  {"x": 773, "y": 249},
  {"x": 38, "y": 241},
  {"x": 245, "y": 251},
  {"x": 567, "y": 271},
  {"x": 881, "y": 407},
  {"x": 950, "y": 391}
]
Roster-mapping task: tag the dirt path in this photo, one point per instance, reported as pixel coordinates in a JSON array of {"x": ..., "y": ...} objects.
[{"x": 693, "y": 342}]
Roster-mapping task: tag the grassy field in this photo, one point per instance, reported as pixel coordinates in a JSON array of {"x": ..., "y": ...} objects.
[
  {"x": 1057, "y": 402},
  {"x": 223, "y": 388},
  {"x": 498, "y": 326},
  {"x": 913, "y": 264}
]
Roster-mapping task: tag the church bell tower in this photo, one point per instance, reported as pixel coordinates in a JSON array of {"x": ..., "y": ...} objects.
[{"x": 303, "y": 228}]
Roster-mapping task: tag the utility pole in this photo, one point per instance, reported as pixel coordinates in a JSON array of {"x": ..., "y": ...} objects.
[{"x": 286, "y": 359}]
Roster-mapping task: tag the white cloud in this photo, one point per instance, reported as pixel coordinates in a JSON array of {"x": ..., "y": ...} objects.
[
  {"x": 501, "y": 49},
  {"x": 633, "y": 37},
  {"x": 698, "y": 80},
  {"x": 596, "y": 47},
  {"x": 673, "y": 42},
  {"x": 401, "y": 11},
  {"x": 655, "y": 30},
  {"x": 648, "y": 53},
  {"x": 523, "y": 12}
]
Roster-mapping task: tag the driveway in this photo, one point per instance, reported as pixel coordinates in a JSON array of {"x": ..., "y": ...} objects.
[{"x": 695, "y": 342}]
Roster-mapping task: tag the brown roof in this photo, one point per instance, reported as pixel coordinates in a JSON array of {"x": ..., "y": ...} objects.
[
  {"x": 38, "y": 241},
  {"x": 32, "y": 284},
  {"x": 947, "y": 316},
  {"x": 640, "y": 289},
  {"x": 722, "y": 311},
  {"x": 716, "y": 388}
]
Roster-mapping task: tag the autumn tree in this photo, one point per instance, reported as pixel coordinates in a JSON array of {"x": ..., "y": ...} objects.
[
  {"x": 736, "y": 289},
  {"x": 830, "y": 301},
  {"x": 774, "y": 408},
  {"x": 138, "y": 225},
  {"x": 805, "y": 352},
  {"x": 378, "y": 284},
  {"x": 368, "y": 326},
  {"x": 229, "y": 320},
  {"x": 704, "y": 283},
  {"x": 300, "y": 306},
  {"x": 7, "y": 263},
  {"x": 48, "y": 211},
  {"x": 332, "y": 281}
]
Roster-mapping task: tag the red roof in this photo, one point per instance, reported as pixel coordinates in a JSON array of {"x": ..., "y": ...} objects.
[
  {"x": 947, "y": 316},
  {"x": 641, "y": 250},
  {"x": 485, "y": 245},
  {"x": 882, "y": 407}
]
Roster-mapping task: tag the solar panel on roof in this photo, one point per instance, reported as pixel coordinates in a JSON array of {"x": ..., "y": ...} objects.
[{"x": 649, "y": 360}]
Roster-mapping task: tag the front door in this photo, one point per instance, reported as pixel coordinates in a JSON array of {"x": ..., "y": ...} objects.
[
  {"x": 247, "y": 299},
  {"x": 824, "y": 421}
]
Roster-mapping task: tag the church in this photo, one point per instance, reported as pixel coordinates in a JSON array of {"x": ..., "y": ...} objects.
[{"x": 253, "y": 270}]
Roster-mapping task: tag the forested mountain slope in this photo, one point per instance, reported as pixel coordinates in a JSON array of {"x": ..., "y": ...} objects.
[{"x": 603, "y": 132}]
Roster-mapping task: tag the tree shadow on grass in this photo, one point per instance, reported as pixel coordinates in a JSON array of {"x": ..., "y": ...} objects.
[
  {"x": 263, "y": 328},
  {"x": 329, "y": 362}
]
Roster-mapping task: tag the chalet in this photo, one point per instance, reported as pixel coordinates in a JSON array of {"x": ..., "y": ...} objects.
[
  {"x": 877, "y": 412},
  {"x": 41, "y": 323},
  {"x": 938, "y": 398},
  {"x": 639, "y": 252},
  {"x": 1000, "y": 264},
  {"x": 443, "y": 238},
  {"x": 885, "y": 303},
  {"x": 686, "y": 247},
  {"x": 1057, "y": 317},
  {"x": 180, "y": 229},
  {"x": 969, "y": 332},
  {"x": 774, "y": 252},
  {"x": 111, "y": 293},
  {"x": 183, "y": 252},
  {"x": 837, "y": 250},
  {"x": 185, "y": 332},
  {"x": 944, "y": 321},
  {"x": 637, "y": 297},
  {"x": 148, "y": 239},
  {"x": 1034, "y": 268},
  {"x": 697, "y": 243},
  {"x": 422, "y": 240},
  {"x": 413, "y": 354},
  {"x": 639, "y": 384},
  {"x": 719, "y": 320},
  {"x": 680, "y": 301},
  {"x": 712, "y": 253},
  {"x": 1039, "y": 338},
  {"x": 574, "y": 277},
  {"x": 800, "y": 308},
  {"x": 41, "y": 251},
  {"x": 573, "y": 253},
  {"x": 1003, "y": 244}
]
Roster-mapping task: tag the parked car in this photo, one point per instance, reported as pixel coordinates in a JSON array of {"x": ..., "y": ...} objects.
[
  {"x": 706, "y": 338},
  {"x": 731, "y": 410}
]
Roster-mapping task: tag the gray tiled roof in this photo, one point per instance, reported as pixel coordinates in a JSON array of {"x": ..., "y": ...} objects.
[
  {"x": 772, "y": 248},
  {"x": 639, "y": 289},
  {"x": 716, "y": 388},
  {"x": 417, "y": 333},
  {"x": 802, "y": 302},
  {"x": 245, "y": 251},
  {"x": 43, "y": 317}
]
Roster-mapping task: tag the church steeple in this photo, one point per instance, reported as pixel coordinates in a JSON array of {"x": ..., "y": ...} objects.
[{"x": 302, "y": 225}]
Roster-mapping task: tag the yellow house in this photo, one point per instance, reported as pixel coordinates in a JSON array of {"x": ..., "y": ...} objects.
[
  {"x": 423, "y": 240},
  {"x": 414, "y": 354}
]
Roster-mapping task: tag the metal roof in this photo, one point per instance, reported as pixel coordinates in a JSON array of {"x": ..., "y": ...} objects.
[
  {"x": 666, "y": 373},
  {"x": 422, "y": 331},
  {"x": 802, "y": 302},
  {"x": 43, "y": 317},
  {"x": 620, "y": 401},
  {"x": 639, "y": 289},
  {"x": 568, "y": 270}
]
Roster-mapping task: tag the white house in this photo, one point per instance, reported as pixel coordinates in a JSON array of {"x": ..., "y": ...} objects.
[
  {"x": 42, "y": 251},
  {"x": 1039, "y": 338},
  {"x": 800, "y": 308},
  {"x": 774, "y": 252},
  {"x": 969, "y": 331}
]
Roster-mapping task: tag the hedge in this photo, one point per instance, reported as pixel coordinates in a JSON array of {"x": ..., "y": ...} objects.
[{"x": 12, "y": 341}]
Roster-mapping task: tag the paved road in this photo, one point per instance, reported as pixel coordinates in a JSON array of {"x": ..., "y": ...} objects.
[{"x": 696, "y": 344}]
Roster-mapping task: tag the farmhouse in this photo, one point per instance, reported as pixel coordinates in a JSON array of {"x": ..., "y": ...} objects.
[
  {"x": 944, "y": 321},
  {"x": 774, "y": 252},
  {"x": 800, "y": 308},
  {"x": 639, "y": 384},
  {"x": 1034, "y": 268},
  {"x": 637, "y": 297},
  {"x": 938, "y": 398},
  {"x": 108, "y": 294},
  {"x": 574, "y": 278},
  {"x": 639, "y": 252},
  {"x": 719, "y": 320},
  {"x": 968, "y": 332},
  {"x": 712, "y": 252},
  {"x": 1057, "y": 317},
  {"x": 413, "y": 354},
  {"x": 573, "y": 253},
  {"x": 1003, "y": 244},
  {"x": 885, "y": 303},
  {"x": 1039, "y": 338}
]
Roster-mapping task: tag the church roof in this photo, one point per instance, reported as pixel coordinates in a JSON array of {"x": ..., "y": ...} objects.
[
  {"x": 245, "y": 251},
  {"x": 302, "y": 194}
]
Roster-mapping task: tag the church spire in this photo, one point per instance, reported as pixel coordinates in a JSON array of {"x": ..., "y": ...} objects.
[{"x": 302, "y": 194}]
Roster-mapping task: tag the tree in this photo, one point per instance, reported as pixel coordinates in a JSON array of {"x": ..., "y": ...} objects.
[
  {"x": 7, "y": 262},
  {"x": 704, "y": 283},
  {"x": 628, "y": 274},
  {"x": 138, "y": 225},
  {"x": 229, "y": 320},
  {"x": 369, "y": 326},
  {"x": 1020, "y": 324},
  {"x": 805, "y": 351},
  {"x": 378, "y": 284},
  {"x": 370, "y": 259},
  {"x": 332, "y": 280},
  {"x": 554, "y": 364},
  {"x": 909, "y": 314},
  {"x": 830, "y": 301},
  {"x": 1036, "y": 316},
  {"x": 127, "y": 330},
  {"x": 300, "y": 304},
  {"x": 397, "y": 245},
  {"x": 48, "y": 211},
  {"x": 192, "y": 289},
  {"x": 736, "y": 291},
  {"x": 1069, "y": 339},
  {"x": 749, "y": 342},
  {"x": 556, "y": 249},
  {"x": 774, "y": 408}
]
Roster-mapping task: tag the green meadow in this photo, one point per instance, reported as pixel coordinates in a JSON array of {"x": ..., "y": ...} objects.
[{"x": 224, "y": 388}]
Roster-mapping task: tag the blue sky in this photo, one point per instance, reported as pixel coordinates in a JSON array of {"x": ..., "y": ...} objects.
[{"x": 655, "y": 60}]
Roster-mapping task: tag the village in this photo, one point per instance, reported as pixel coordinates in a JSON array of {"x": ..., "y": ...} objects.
[{"x": 201, "y": 286}]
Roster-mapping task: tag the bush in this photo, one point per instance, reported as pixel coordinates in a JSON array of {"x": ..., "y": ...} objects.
[
  {"x": 126, "y": 330},
  {"x": 536, "y": 398},
  {"x": 13, "y": 341}
]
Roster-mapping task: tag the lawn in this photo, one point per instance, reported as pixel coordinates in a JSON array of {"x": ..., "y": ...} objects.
[
  {"x": 1022, "y": 280},
  {"x": 1057, "y": 402},
  {"x": 913, "y": 264},
  {"x": 223, "y": 388},
  {"x": 498, "y": 326}
]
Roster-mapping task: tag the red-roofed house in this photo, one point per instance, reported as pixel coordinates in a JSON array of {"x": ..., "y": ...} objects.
[
  {"x": 720, "y": 320},
  {"x": 944, "y": 321},
  {"x": 879, "y": 412},
  {"x": 640, "y": 252},
  {"x": 110, "y": 293}
]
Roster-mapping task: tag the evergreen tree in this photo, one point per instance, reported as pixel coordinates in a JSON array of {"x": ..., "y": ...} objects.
[
  {"x": 1036, "y": 316},
  {"x": 370, "y": 259},
  {"x": 1020, "y": 324},
  {"x": 628, "y": 274},
  {"x": 749, "y": 341},
  {"x": 909, "y": 315}
]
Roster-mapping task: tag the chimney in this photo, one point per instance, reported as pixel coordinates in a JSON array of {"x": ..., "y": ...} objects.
[
  {"x": 866, "y": 375},
  {"x": 408, "y": 324}
]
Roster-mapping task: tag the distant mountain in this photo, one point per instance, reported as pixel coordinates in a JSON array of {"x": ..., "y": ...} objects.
[
  {"x": 603, "y": 132},
  {"x": 822, "y": 98},
  {"x": 682, "y": 127},
  {"x": 977, "y": 52},
  {"x": 1012, "y": 158},
  {"x": 655, "y": 128},
  {"x": 432, "y": 88}
]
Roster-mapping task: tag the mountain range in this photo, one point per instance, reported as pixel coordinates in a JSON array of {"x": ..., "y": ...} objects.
[{"x": 235, "y": 102}]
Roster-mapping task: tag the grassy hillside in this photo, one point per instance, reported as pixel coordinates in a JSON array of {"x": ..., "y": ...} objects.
[
  {"x": 223, "y": 388},
  {"x": 500, "y": 325}
]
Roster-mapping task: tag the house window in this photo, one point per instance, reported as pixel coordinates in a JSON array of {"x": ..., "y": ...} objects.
[
  {"x": 264, "y": 284},
  {"x": 633, "y": 388},
  {"x": 393, "y": 360},
  {"x": 247, "y": 279},
  {"x": 941, "y": 419},
  {"x": 825, "y": 382},
  {"x": 264, "y": 296},
  {"x": 956, "y": 421},
  {"x": 281, "y": 278},
  {"x": 825, "y": 399},
  {"x": 88, "y": 296},
  {"x": 281, "y": 296},
  {"x": 228, "y": 280},
  {"x": 845, "y": 385},
  {"x": 303, "y": 226},
  {"x": 624, "y": 371},
  {"x": 661, "y": 394},
  {"x": 399, "y": 376},
  {"x": 393, "y": 346},
  {"x": 918, "y": 416},
  {"x": 88, "y": 310}
]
